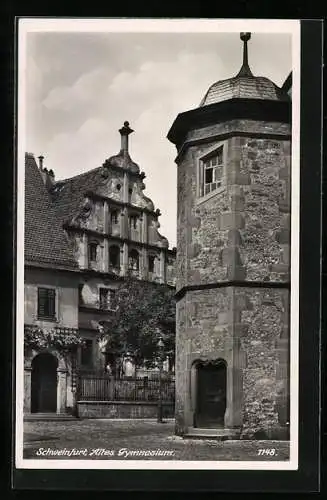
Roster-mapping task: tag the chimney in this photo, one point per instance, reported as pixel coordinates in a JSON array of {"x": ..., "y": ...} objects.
[
  {"x": 47, "y": 175},
  {"x": 51, "y": 176},
  {"x": 41, "y": 158}
]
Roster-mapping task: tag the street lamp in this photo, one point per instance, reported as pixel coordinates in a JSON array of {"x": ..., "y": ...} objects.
[{"x": 160, "y": 346}]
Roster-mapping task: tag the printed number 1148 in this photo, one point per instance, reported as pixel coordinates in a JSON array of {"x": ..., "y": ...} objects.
[{"x": 270, "y": 452}]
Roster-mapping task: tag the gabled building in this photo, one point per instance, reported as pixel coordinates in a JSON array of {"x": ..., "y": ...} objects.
[
  {"x": 51, "y": 300},
  {"x": 84, "y": 235}
]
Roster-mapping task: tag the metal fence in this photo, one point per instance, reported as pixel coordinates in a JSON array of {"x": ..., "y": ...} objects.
[{"x": 107, "y": 388}]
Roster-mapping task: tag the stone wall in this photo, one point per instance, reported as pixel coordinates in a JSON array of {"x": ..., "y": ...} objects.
[
  {"x": 122, "y": 409},
  {"x": 263, "y": 316},
  {"x": 242, "y": 231},
  {"x": 231, "y": 239},
  {"x": 249, "y": 329}
]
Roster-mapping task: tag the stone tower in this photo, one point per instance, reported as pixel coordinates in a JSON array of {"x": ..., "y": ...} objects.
[{"x": 233, "y": 258}]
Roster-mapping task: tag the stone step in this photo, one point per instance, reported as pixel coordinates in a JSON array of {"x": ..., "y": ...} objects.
[
  {"x": 220, "y": 434},
  {"x": 48, "y": 417}
]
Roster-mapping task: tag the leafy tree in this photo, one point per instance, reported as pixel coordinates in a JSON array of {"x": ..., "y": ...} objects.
[{"x": 143, "y": 311}]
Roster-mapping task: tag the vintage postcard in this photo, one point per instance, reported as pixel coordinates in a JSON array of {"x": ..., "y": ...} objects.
[{"x": 158, "y": 244}]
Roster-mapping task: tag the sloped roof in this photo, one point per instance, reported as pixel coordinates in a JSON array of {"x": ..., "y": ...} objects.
[
  {"x": 69, "y": 194},
  {"x": 45, "y": 240},
  {"x": 287, "y": 85},
  {"x": 248, "y": 87},
  {"x": 244, "y": 85}
]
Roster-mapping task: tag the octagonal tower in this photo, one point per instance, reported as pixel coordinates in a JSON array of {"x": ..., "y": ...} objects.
[{"x": 233, "y": 259}]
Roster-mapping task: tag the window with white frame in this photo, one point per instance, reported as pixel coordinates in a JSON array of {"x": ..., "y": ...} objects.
[{"x": 212, "y": 171}]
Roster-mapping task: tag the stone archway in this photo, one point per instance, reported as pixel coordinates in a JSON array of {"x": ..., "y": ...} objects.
[
  {"x": 211, "y": 393},
  {"x": 44, "y": 383}
]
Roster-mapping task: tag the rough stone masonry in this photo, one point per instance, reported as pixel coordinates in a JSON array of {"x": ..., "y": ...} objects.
[{"x": 233, "y": 261}]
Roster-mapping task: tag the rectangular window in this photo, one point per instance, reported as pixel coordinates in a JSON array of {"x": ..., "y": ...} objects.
[
  {"x": 80, "y": 295},
  {"x": 208, "y": 174},
  {"x": 114, "y": 217},
  {"x": 46, "y": 308},
  {"x": 213, "y": 171},
  {"x": 151, "y": 263},
  {"x": 106, "y": 296},
  {"x": 87, "y": 353},
  {"x": 93, "y": 252},
  {"x": 133, "y": 221}
]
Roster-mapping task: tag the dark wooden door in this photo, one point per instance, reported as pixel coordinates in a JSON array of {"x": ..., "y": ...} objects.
[
  {"x": 211, "y": 395},
  {"x": 44, "y": 384}
]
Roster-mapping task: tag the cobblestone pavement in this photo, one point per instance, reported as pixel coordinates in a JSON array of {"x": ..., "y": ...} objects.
[{"x": 148, "y": 439}]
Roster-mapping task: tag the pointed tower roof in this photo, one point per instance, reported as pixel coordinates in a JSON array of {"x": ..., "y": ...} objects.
[{"x": 244, "y": 84}]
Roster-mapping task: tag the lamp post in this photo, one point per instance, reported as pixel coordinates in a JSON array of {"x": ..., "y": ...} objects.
[{"x": 160, "y": 346}]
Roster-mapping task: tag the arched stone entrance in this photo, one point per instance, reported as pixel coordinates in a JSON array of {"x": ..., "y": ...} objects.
[
  {"x": 44, "y": 383},
  {"x": 211, "y": 393}
]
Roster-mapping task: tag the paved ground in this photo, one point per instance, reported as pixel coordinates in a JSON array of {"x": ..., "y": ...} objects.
[{"x": 120, "y": 439}]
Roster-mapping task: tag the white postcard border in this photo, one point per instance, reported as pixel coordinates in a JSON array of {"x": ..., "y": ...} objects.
[{"x": 76, "y": 25}]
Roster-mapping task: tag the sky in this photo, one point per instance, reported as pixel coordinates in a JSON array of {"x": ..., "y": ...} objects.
[{"x": 81, "y": 87}]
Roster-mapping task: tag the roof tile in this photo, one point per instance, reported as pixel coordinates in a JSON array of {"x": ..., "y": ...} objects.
[{"x": 45, "y": 240}]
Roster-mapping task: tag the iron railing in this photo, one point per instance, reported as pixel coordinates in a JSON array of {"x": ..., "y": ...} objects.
[{"x": 108, "y": 388}]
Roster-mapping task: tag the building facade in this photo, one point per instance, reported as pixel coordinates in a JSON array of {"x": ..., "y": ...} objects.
[
  {"x": 233, "y": 258},
  {"x": 108, "y": 230},
  {"x": 50, "y": 302}
]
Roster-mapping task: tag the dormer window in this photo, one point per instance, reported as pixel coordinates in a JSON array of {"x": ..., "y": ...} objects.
[{"x": 212, "y": 171}]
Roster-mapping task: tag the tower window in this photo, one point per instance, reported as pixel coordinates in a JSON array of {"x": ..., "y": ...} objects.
[{"x": 212, "y": 172}]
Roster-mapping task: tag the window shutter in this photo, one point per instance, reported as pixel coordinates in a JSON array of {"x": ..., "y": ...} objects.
[
  {"x": 41, "y": 302},
  {"x": 46, "y": 303},
  {"x": 51, "y": 303}
]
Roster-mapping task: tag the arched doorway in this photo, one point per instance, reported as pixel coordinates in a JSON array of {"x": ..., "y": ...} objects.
[
  {"x": 211, "y": 394},
  {"x": 44, "y": 384}
]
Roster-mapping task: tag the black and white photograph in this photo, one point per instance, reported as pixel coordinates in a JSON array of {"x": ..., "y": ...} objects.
[{"x": 158, "y": 238}]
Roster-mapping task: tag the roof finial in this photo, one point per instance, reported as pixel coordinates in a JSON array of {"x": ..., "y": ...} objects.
[
  {"x": 245, "y": 69},
  {"x": 124, "y": 132}
]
